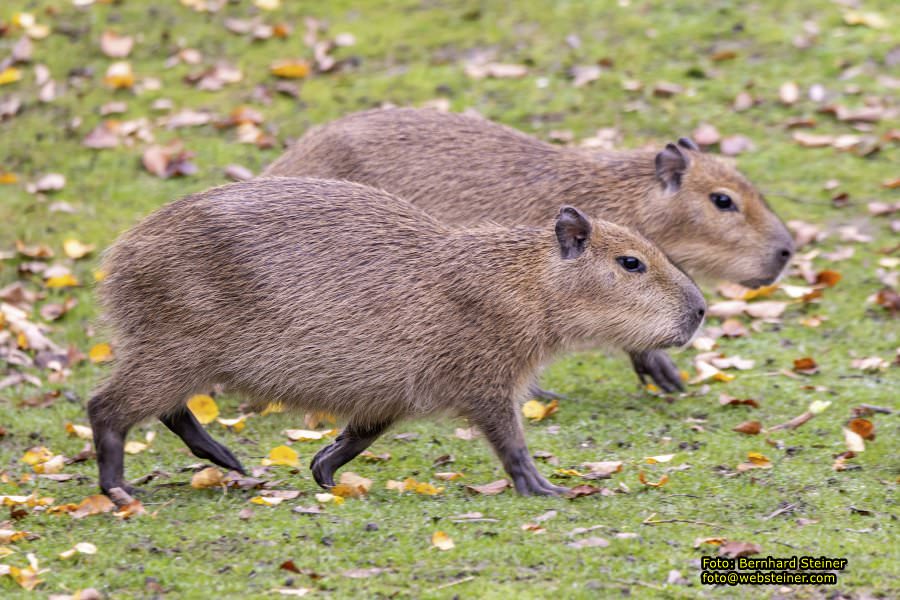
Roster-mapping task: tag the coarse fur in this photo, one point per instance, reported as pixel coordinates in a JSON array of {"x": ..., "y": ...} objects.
[
  {"x": 464, "y": 168},
  {"x": 333, "y": 296}
]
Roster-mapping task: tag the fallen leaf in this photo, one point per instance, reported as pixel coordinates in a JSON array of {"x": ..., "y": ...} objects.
[
  {"x": 643, "y": 479},
  {"x": 853, "y": 441},
  {"x": 282, "y": 455},
  {"x": 267, "y": 501},
  {"x": 93, "y": 505},
  {"x": 80, "y": 548},
  {"x": 305, "y": 435},
  {"x": 590, "y": 542},
  {"x": 478, "y": 70},
  {"x": 726, "y": 400},
  {"x": 203, "y": 407},
  {"x": 587, "y": 490},
  {"x": 662, "y": 458},
  {"x": 739, "y": 549},
  {"x": 207, "y": 478},
  {"x": 872, "y": 20},
  {"x": 602, "y": 469},
  {"x": 828, "y": 278},
  {"x": 119, "y": 75},
  {"x": 10, "y": 75},
  {"x": 448, "y": 475},
  {"x": 290, "y": 68},
  {"x": 489, "y": 489},
  {"x": 806, "y": 366},
  {"x": 538, "y": 411},
  {"x": 351, "y": 485},
  {"x": 116, "y": 46},
  {"x": 80, "y": 431},
  {"x": 749, "y": 427},
  {"x": 442, "y": 541},
  {"x": 789, "y": 92}
]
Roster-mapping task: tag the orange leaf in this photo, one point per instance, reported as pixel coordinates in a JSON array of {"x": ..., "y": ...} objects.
[{"x": 643, "y": 479}]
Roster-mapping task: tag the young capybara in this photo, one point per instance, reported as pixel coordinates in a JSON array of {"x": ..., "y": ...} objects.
[
  {"x": 703, "y": 213},
  {"x": 333, "y": 296}
]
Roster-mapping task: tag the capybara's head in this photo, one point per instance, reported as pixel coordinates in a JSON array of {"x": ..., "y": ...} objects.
[
  {"x": 614, "y": 285},
  {"x": 717, "y": 225}
]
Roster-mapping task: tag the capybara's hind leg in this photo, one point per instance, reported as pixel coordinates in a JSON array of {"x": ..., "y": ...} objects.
[
  {"x": 345, "y": 447},
  {"x": 184, "y": 424},
  {"x": 109, "y": 441}
]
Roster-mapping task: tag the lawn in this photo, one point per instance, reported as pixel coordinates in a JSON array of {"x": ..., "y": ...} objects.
[{"x": 826, "y": 156}]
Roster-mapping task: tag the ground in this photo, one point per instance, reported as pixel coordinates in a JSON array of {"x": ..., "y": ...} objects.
[{"x": 194, "y": 543}]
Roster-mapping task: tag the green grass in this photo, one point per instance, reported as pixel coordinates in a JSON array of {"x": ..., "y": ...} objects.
[{"x": 410, "y": 52}]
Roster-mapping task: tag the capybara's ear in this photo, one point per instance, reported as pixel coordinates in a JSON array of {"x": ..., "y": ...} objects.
[
  {"x": 671, "y": 164},
  {"x": 573, "y": 229},
  {"x": 688, "y": 143}
]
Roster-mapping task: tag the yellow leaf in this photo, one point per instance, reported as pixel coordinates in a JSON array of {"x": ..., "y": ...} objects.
[
  {"x": 6, "y": 551},
  {"x": 80, "y": 431},
  {"x": 758, "y": 459},
  {"x": 62, "y": 281},
  {"x": 203, "y": 407},
  {"x": 568, "y": 473},
  {"x": 442, "y": 541},
  {"x": 537, "y": 411},
  {"x": 99, "y": 275},
  {"x": 75, "y": 249},
  {"x": 351, "y": 486},
  {"x": 267, "y": 4},
  {"x": 448, "y": 476},
  {"x": 662, "y": 458},
  {"x": 8, "y": 178},
  {"x": 290, "y": 68},
  {"x": 10, "y": 75},
  {"x": 8, "y": 536},
  {"x": 266, "y": 500},
  {"x": 207, "y": 478},
  {"x": 325, "y": 498},
  {"x": 135, "y": 447},
  {"x": 36, "y": 455},
  {"x": 119, "y": 75},
  {"x": 421, "y": 487},
  {"x": 643, "y": 479},
  {"x": 867, "y": 19},
  {"x": 761, "y": 292},
  {"x": 100, "y": 353},
  {"x": 51, "y": 466},
  {"x": 282, "y": 455}
]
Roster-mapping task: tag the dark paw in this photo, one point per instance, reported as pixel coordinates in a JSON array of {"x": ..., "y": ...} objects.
[
  {"x": 661, "y": 369},
  {"x": 322, "y": 471}
]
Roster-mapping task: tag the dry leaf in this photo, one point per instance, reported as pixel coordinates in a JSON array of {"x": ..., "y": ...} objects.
[
  {"x": 489, "y": 489},
  {"x": 119, "y": 75},
  {"x": 207, "y": 478},
  {"x": 442, "y": 541},
  {"x": 749, "y": 427},
  {"x": 854, "y": 441},
  {"x": 602, "y": 469},
  {"x": 116, "y": 46},
  {"x": 93, "y": 505},
  {"x": 806, "y": 366},
  {"x": 789, "y": 92},
  {"x": 290, "y": 68},
  {"x": 643, "y": 479},
  {"x": 739, "y": 549}
]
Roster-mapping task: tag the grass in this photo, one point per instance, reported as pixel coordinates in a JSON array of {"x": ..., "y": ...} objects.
[{"x": 409, "y": 52}]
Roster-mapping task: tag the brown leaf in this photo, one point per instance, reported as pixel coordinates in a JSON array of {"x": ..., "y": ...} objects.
[
  {"x": 489, "y": 489},
  {"x": 726, "y": 400},
  {"x": 169, "y": 160},
  {"x": 238, "y": 173},
  {"x": 587, "y": 490},
  {"x": 643, "y": 479},
  {"x": 665, "y": 89},
  {"x": 739, "y": 549},
  {"x": 806, "y": 366},
  {"x": 706, "y": 135},
  {"x": 864, "y": 428},
  {"x": 828, "y": 278},
  {"x": 749, "y": 427}
]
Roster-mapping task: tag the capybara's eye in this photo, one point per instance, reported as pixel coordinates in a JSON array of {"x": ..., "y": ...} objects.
[
  {"x": 722, "y": 201},
  {"x": 631, "y": 264}
]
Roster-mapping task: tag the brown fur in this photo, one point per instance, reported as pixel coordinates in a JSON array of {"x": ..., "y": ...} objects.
[
  {"x": 462, "y": 169},
  {"x": 337, "y": 297}
]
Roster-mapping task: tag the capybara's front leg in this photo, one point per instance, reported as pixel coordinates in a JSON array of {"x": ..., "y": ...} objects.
[
  {"x": 184, "y": 424},
  {"x": 502, "y": 427},
  {"x": 347, "y": 445}
]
